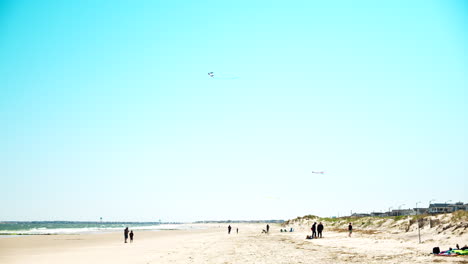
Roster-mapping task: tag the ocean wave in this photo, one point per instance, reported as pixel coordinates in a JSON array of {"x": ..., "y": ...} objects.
[{"x": 50, "y": 230}]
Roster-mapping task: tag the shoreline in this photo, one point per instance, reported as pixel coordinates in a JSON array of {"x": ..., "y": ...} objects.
[{"x": 93, "y": 230}]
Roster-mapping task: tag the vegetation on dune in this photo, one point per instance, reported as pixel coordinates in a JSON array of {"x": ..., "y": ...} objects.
[
  {"x": 460, "y": 216},
  {"x": 367, "y": 220},
  {"x": 339, "y": 219},
  {"x": 308, "y": 217},
  {"x": 453, "y": 222},
  {"x": 300, "y": 219},
  {"x": 398, "y": 217}
]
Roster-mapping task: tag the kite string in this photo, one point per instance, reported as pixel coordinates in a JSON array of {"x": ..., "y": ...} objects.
[{"x": 225, "y": 78}]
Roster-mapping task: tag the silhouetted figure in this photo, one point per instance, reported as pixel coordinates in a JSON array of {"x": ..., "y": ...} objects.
[
  {"x": 314, "y": 230},
  {"x": 126, "y": 234},
  {"x": 237, "y": 230},
  {"x": 268, "y": 228},
  {"x": 229, "y": 229},
  {"x": 320, "y": 229},
  {"x": 350, "y": 229},
  {"x": 131, "y": 236}
]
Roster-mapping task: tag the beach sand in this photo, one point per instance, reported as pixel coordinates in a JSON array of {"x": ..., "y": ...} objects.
[{"x": 213, "y": 245}]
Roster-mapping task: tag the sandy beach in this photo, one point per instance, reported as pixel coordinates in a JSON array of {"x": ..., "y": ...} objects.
[{"x": 212, "y": 244}]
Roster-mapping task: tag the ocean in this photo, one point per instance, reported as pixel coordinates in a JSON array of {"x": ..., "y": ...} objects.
[{"x": 70, "y": 227}]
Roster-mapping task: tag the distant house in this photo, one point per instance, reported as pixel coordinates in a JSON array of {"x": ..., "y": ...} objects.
[
  {"x": 420, "y": 211},
  {"x": 435, "y": 208},
  {"x": 360, "y": 215},
  {"x": 377, "y": 214},
  {"x": 390, "y": 213},
  {"x": 458, "y": 206},
  {"x": 402, "y": 212},
  {"x": 439, "y": 208}
]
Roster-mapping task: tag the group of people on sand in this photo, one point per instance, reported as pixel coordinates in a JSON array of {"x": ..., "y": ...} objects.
[
  {"x": 316, "y": 230},
  {"x": 229, "y": 230},
  {"x": 126, "y": 234},
  {"x": 237, "y": 229}
]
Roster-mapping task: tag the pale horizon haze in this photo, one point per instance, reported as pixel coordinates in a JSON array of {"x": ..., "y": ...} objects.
[{"x": 107, "y": 110}]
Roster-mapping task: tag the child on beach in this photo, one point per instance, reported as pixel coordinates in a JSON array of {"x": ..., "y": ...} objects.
[
  {"x": 350, "y": 229},
  {"x": 131, "y": 236}
]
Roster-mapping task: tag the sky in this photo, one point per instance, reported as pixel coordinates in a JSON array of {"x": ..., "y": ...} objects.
[{"x": 106, "y": 108}]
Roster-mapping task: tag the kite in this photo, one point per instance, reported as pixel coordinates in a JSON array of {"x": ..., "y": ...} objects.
[{"x": 211, "y": 74}]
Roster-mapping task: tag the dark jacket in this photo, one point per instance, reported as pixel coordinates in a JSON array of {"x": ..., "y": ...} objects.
[{"x": 320, "y": 227}]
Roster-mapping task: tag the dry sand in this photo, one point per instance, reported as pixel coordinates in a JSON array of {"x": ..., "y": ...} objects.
[{"x": 214, "y": 245}]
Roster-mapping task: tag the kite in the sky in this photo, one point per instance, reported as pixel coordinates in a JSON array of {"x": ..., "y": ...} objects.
[
  {"x": 223, "y": 77},
  {"x": 318, "y": 172}
]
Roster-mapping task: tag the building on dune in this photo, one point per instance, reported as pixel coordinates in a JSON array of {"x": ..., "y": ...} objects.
[
  {"x": 435, "y": 208},
  {"x": 440, "y": 208}
]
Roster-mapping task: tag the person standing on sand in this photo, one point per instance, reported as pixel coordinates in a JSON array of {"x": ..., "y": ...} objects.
[
  {"x": 314, "y": 228},
  {"x": 229, "y": 229},
  {"x": 131, "y": 236},
  {"x": 268, "y": 228},
  {"x": 320, "y": 229},
  {"x": 237, "y": 230},
  {"x": 126, "y": 234},
  {"x": 350, "y": 229}
]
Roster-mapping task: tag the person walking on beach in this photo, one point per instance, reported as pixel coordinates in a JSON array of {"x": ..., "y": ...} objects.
[
  {"x": 314, "y": 228},
  {"x": 126, "y": 234},
  {"x": 237, "y": 230},
  {"x": 350, "y": 229},
  {"x": 131, "y": 236},
  {"x": 268, "y": 228},
  {"x": 229, "y": 229},
  {"x": 320, "y": 229}
]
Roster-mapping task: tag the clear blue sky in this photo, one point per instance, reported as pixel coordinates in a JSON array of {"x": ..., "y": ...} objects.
[{"x": 107, "y": 110}]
